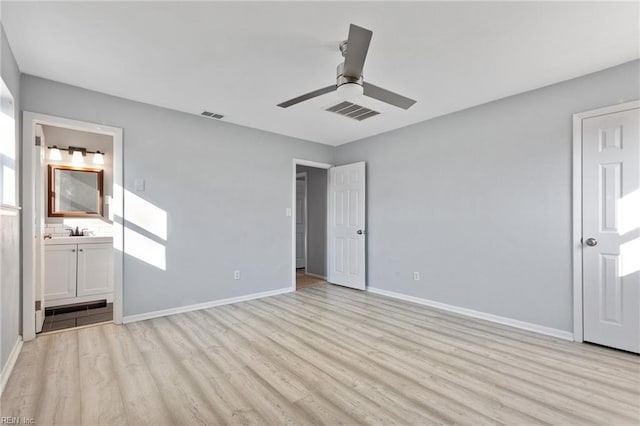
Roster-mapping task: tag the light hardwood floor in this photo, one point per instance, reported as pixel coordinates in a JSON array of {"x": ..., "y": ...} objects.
[
  {"x": 322, "y": 355},
  {"x": 304, "y": 281}
]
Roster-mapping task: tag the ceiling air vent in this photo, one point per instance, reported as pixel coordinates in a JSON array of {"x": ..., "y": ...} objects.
[
  {"x": 212, "y": 115},
  {"x": 354, "y": 111}
]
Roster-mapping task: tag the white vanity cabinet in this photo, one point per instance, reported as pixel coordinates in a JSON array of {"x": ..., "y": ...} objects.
[
  {"x": 78, "y": 272},
  {"x": 60, "y": 264},
  {"x": 95, "y": 269}
]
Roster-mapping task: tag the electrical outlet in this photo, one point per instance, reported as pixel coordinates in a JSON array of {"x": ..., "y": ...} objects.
[
  {"x": 236, "y": 275},
  {"x": 416, "y": 276}
]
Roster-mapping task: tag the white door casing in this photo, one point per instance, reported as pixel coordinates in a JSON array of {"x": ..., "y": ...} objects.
[
  {"x": 346, "y": 226},
  {"x": 301, "y": 214},
  {"x": 29, "y": 231},
  {"x": 611, "y": 229},
  {"x": 40, "y": 212}
]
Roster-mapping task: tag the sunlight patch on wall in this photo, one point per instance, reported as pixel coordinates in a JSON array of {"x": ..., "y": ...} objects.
[
  {"x": 149, "y": 218},
  {"x": 145, "y": 249},
  {"x": 146, "y": 215},
  {"x": 630, "y": 257},
  {"x": 629, "y": 208}
]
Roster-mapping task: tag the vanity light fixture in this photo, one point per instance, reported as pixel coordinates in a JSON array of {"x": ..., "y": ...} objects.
[
  {"x": 77, "y": 157},
  {"x": 77, "y": 154},
  {"x": 55, "y": 154},
  {"x": 98, "y": 158}
]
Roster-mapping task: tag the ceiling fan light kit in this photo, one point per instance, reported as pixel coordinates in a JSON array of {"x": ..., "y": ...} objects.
[{"x": 350, "y": 83}]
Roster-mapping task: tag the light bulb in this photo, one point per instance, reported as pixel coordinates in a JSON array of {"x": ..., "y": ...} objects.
[
  {"x": 350, "y": 91},
  {"x": 98, "y": 158},
  {"x": 77, "y": 157},
  {"x": 54, "y": 154}
]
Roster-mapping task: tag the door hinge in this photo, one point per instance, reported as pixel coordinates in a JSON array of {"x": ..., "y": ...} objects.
[
  {"x": 38, "y": 142},
  {"x": 38, "y": 304}
]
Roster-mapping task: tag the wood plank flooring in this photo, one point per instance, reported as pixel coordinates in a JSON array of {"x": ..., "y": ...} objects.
[
  {"x": 304, "y": 281},
  {"x": 322, "y": 355}
]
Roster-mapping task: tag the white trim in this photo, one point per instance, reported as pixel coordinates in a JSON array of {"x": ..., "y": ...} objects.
[
  {"x": 7, "y": 368},
  {"x": 299, "y": 162},
  {"x": 316, "y": 275},
  {"x": 29, "y": 121},
  {"x": 561, "y": 334},
  {"x": 576, "y": 242},
  {"x": 206, "y": 305}
]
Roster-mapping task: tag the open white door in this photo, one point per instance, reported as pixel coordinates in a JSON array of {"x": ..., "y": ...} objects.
[
  {"x": 611, "y": 229},
  {"x": 346, "y": 226},
  {"x": 40, "y": 188}
]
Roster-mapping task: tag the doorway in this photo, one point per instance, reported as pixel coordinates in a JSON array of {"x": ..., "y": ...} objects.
[
  {"x": 343, "y": 214},
  {"x": 311, "y": 226},
  {"x": 606, "y": 204},
  {"x": 72, "y": 232}
]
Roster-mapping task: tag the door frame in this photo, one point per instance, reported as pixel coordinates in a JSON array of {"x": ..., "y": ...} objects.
[
  {"x": 306, "y": 217},
  {"x": 29, "y": 121},
  {"x": 576, "y": 243},
  {"x": 308, "y": 163}
]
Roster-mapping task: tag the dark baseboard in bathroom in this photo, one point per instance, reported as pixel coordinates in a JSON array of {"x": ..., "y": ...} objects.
[
  {"x": 76, "y": 315},
  {"x": 75, "y": 307}
]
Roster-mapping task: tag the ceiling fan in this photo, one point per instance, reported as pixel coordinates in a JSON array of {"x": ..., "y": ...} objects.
[{"x": 349, "y": 81}]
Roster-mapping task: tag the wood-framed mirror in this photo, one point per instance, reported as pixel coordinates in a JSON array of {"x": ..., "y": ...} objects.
[{"x": 75, "y": 191}]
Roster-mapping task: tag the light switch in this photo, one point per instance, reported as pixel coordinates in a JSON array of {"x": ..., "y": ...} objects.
[
  {"x": 139, "y": 185},
  {"x": 288, "y": 212}
]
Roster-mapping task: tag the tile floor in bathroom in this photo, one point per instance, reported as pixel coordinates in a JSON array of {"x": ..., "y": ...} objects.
[{"x": 69, "y": 316}]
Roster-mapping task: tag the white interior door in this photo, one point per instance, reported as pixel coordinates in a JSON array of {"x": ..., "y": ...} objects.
[
  {"x": 40, "y": 177},
  {"x": 301, "y": 226},
  {"x": 611, "y": 229},
  {"x": 346, "y": 227}
]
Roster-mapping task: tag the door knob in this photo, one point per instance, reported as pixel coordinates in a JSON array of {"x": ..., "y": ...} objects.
[
  {"x": 360, "y": 232},
  {"x": 591, "y": 242}
]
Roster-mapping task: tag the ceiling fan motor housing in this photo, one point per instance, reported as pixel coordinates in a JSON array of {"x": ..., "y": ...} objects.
[{"x": 343, "y": 79}]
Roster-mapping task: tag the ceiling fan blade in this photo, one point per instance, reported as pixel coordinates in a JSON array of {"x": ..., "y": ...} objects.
[
  {"x": 307, "y": 96},
  {"x": 387, "y": 96},
  {"x": 357, "y": 48}
]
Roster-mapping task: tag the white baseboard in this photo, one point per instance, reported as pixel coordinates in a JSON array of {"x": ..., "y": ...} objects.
[
  {"x": 561, "y": 334},
  {"x": 198, "y": 306},
  {"x": 7, "y": 368},
  {"x": 316, "y": 276}
]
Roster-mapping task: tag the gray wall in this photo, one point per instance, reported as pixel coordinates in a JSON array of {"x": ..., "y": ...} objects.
[
  {"x": 317, "y": 217},
  {"x": 479, "y": 201},
  {"x": 10, "y": 312},
  {"x": 225, "y": 190}
]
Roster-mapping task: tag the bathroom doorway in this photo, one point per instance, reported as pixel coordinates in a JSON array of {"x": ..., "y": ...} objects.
[{"x": 72, "y": 242}]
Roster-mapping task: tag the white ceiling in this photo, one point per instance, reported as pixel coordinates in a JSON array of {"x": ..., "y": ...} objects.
[{"x": 241, "y": 59}]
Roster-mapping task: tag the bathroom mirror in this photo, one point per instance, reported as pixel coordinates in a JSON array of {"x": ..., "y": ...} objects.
[{"x": 75, "y": 191}]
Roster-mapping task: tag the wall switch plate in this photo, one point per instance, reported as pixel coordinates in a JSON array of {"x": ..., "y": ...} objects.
[
  {"x": 236, "y": 275},
  {"x": 139, "y": 185},
  {"x": 288, "y": 213},
  {"x": 416, "y": 276}
]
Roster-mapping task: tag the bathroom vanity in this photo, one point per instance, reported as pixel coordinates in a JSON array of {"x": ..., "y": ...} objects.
[{"x": 78, "y": 269}]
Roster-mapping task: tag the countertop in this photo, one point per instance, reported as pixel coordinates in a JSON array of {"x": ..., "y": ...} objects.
[{"x": 77, "y": 240}]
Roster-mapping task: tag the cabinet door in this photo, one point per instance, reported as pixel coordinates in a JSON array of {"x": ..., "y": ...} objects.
[
  {"x": 95, "y": 269},
  {"x": 60, "y": 271}
]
